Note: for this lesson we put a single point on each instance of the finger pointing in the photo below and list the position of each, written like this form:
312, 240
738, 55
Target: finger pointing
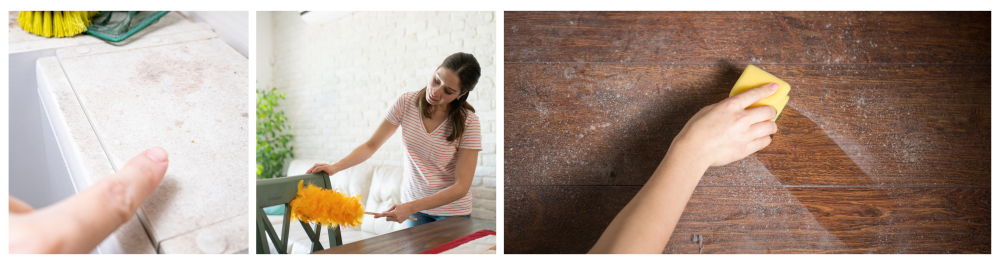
94, 213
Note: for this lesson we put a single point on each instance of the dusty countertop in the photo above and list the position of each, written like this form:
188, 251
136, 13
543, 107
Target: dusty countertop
175, 85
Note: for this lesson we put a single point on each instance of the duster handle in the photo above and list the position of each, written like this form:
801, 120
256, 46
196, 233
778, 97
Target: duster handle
371, 213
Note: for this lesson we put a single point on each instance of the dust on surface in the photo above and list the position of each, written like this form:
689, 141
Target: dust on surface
757, 216
12, 20
187, 75
887, 138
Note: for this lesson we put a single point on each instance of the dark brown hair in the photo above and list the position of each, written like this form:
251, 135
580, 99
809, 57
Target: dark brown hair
467, 68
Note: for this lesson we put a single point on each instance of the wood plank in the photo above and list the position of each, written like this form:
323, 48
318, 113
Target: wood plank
847, 125
559, 219
747, 37
570, 219
833, 220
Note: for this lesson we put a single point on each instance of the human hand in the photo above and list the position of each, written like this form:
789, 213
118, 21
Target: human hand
79, 223
726, 131
320, 167
398, 213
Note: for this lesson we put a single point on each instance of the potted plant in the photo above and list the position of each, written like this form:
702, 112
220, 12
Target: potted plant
273, 139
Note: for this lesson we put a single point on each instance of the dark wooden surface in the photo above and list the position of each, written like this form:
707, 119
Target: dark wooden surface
416, 239
883, 147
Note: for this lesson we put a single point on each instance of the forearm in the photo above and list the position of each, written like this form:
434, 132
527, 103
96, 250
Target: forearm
646, 222
366, 150
717, 135
445, 196
356, 157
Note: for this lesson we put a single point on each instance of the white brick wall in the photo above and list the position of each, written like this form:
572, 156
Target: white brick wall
340, 77
265, 50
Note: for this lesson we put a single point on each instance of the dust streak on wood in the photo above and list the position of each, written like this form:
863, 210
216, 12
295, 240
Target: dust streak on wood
610, 125
883, 148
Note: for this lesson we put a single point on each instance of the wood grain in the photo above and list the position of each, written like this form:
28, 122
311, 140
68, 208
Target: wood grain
570, 219
835, 220
884, 146
416, 239
747, 37
559, 219
595, 124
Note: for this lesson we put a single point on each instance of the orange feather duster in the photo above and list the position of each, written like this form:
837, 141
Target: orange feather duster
328, 207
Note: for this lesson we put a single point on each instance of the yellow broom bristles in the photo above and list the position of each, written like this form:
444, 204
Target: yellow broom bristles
328, 207
55, 23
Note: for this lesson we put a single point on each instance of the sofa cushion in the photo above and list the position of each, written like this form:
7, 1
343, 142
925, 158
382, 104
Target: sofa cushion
384, 193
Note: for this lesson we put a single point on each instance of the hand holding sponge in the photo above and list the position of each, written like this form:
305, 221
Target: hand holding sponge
754, 77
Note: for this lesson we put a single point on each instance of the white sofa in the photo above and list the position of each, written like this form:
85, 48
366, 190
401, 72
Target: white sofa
379, 187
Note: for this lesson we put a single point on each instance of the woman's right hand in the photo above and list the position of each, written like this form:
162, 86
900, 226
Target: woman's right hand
328, 168
726, 131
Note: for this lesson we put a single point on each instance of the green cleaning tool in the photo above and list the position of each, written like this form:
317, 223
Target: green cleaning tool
115, 26
112, 26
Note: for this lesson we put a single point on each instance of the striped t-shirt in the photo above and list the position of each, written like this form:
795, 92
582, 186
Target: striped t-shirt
428, 158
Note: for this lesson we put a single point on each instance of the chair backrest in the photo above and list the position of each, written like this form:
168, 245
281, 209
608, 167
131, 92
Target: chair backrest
281, 191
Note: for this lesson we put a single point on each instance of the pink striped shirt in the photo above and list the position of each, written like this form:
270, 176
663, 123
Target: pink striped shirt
428, 158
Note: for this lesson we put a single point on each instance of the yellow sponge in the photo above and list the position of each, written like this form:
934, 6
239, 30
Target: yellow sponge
780, 107
754, 77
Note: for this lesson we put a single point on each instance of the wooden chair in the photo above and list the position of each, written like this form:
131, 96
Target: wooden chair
278, 191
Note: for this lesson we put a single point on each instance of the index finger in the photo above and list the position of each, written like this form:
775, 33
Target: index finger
753, 95
94, 213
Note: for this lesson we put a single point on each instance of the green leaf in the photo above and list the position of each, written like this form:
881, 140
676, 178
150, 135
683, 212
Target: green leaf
273, 140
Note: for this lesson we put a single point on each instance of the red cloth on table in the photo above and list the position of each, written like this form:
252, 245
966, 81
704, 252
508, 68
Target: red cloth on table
458, 242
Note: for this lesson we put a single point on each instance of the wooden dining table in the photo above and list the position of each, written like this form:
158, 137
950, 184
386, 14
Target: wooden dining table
416, 239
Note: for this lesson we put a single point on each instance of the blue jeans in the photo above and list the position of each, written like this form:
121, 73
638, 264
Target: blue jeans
423, 218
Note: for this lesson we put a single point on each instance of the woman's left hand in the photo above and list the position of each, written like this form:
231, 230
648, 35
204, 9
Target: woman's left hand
398, 213
330, 169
